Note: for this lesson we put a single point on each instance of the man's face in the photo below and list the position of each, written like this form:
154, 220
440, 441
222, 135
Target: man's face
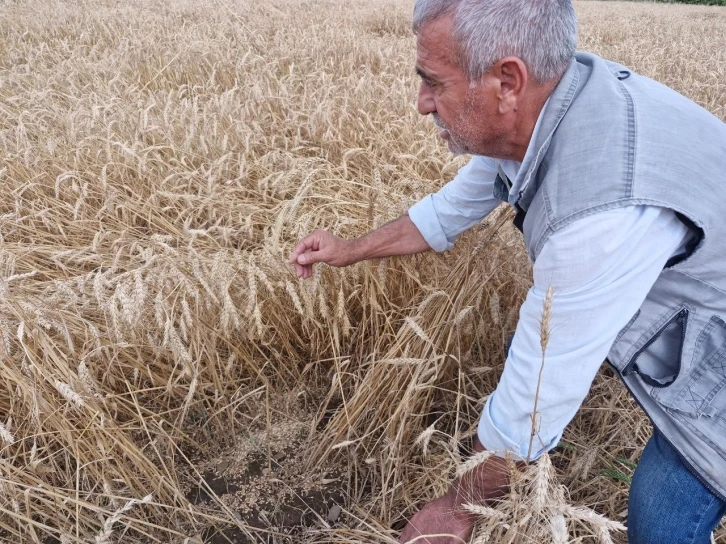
465, 112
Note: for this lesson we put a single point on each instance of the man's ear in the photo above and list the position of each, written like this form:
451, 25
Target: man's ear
513, 78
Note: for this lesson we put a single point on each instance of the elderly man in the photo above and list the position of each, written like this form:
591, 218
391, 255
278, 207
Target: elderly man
619, 185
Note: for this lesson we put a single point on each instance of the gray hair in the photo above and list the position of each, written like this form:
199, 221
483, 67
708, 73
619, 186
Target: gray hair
542, 33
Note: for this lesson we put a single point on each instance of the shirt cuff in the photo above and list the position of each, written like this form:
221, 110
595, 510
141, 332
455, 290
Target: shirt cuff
423, 215
494, 439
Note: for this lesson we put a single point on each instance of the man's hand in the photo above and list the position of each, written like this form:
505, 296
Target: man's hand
321, 247
443, 518
445, 521
399, 237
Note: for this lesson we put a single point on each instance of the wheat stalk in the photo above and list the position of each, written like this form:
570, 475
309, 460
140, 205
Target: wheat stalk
484, 512
473, 462
544, 340
104, 536
69, 394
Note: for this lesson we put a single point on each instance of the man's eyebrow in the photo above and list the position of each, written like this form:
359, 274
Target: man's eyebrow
423, 75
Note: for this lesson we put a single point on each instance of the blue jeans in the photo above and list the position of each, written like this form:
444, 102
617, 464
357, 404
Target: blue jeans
667, 503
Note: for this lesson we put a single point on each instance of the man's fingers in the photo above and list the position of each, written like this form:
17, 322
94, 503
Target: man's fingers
303, 272
312, 256
318, 247
310, 242
300, 248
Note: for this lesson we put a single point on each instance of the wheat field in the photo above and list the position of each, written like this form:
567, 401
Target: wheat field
164, 376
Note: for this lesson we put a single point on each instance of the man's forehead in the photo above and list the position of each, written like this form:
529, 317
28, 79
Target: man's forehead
434, 44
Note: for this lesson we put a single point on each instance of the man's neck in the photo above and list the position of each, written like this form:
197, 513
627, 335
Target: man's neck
528, 114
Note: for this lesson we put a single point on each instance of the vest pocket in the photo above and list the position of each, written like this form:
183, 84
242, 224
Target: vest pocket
658, 362
704, 393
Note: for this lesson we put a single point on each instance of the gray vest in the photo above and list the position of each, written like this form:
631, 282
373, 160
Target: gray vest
611, 138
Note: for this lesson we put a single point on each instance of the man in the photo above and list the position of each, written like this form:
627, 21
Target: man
619, 183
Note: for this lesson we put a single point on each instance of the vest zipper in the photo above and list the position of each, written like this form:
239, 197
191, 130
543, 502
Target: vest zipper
631, 366
683, 459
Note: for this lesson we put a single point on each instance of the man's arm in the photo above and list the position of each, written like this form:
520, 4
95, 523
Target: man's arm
399, 237
446, 520
433, 223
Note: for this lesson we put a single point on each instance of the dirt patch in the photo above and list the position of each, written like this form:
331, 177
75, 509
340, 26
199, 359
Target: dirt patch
264, 481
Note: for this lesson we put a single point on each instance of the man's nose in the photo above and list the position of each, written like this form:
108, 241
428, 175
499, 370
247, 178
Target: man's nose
426, 103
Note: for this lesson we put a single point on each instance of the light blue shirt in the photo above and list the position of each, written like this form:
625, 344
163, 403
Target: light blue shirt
600, 267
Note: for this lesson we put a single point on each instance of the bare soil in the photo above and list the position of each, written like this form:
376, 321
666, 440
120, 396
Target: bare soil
264, 480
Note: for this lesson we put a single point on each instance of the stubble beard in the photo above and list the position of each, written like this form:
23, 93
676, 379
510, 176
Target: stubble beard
457, 145
460, 141
469, 122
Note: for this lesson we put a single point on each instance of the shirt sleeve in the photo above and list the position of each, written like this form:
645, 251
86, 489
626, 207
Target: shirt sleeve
460, 204
600, 268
